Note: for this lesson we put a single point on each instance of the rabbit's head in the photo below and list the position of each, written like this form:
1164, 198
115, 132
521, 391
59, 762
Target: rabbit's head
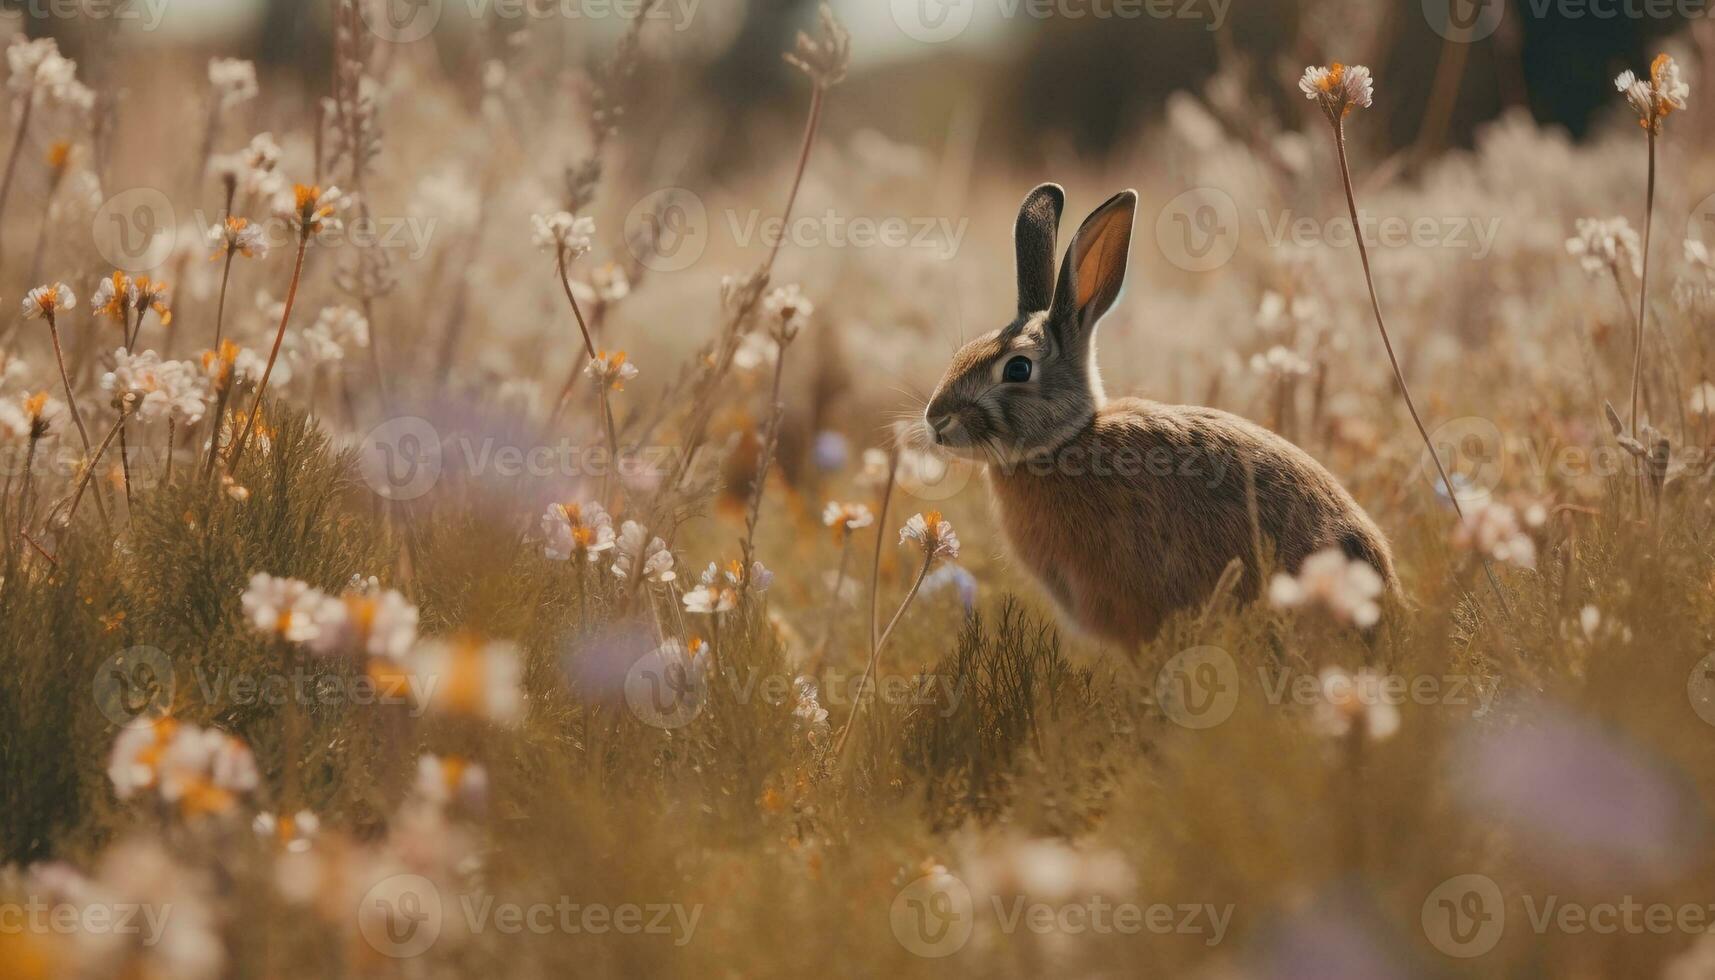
1032, 385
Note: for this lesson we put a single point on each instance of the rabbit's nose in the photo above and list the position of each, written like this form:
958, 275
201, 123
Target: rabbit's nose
939, 424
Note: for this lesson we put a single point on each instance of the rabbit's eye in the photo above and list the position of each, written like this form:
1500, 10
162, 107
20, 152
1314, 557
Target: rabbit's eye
1017, 370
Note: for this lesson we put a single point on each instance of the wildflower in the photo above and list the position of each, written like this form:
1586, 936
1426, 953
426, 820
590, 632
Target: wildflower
1589, 621
1346, 587
38, 67
450, 779
1654, 100
563, 233
826, 57
576, 529
808, 711
152, 295
1493, 530
234, 81
611, 370
237, 236
28, 416
1338, 89
379, 623
1349, 699
755, 350
956, 577
610, 282
133, 764
760, 577
789, 310
472, 679
934, 534
710, 597
1603, 247
1702, 399
177, 390
846, 518
291, 832
284, 607
1280, 362
830, 451
337, 329
46, 301
114, 297
310, 209
657, 560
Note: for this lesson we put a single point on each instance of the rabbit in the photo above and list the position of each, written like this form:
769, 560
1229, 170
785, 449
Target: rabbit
1124, 510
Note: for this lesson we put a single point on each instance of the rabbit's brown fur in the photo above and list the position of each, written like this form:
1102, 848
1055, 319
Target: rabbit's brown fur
1120, 551
1125, 510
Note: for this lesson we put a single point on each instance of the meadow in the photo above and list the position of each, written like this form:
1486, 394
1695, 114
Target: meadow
442, 539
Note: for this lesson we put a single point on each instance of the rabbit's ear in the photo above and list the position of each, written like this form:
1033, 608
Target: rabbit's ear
1034, 236
1094, 271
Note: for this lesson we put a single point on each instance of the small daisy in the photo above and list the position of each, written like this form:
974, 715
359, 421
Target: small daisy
1349, 699
789, 311
310, 209
1653, 101
1338, 89
378, 623
576, 529
845, 518
934, 534
234, 81
1493, 530
1279, 362
1347, 588
657, 560
152, 295
563, 233
46, 301
471, 679
291, 832
237, 236
1604, 246
451, 779
284, 607
710, 598
612, 370
115, 297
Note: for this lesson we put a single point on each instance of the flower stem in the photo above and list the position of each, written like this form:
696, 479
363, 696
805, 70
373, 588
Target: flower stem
1393, 359
17, 150
601, 383
875, 650
89, 471
279, 335
1643, 310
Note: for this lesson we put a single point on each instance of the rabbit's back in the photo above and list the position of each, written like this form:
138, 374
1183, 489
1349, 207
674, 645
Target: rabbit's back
1139, 515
